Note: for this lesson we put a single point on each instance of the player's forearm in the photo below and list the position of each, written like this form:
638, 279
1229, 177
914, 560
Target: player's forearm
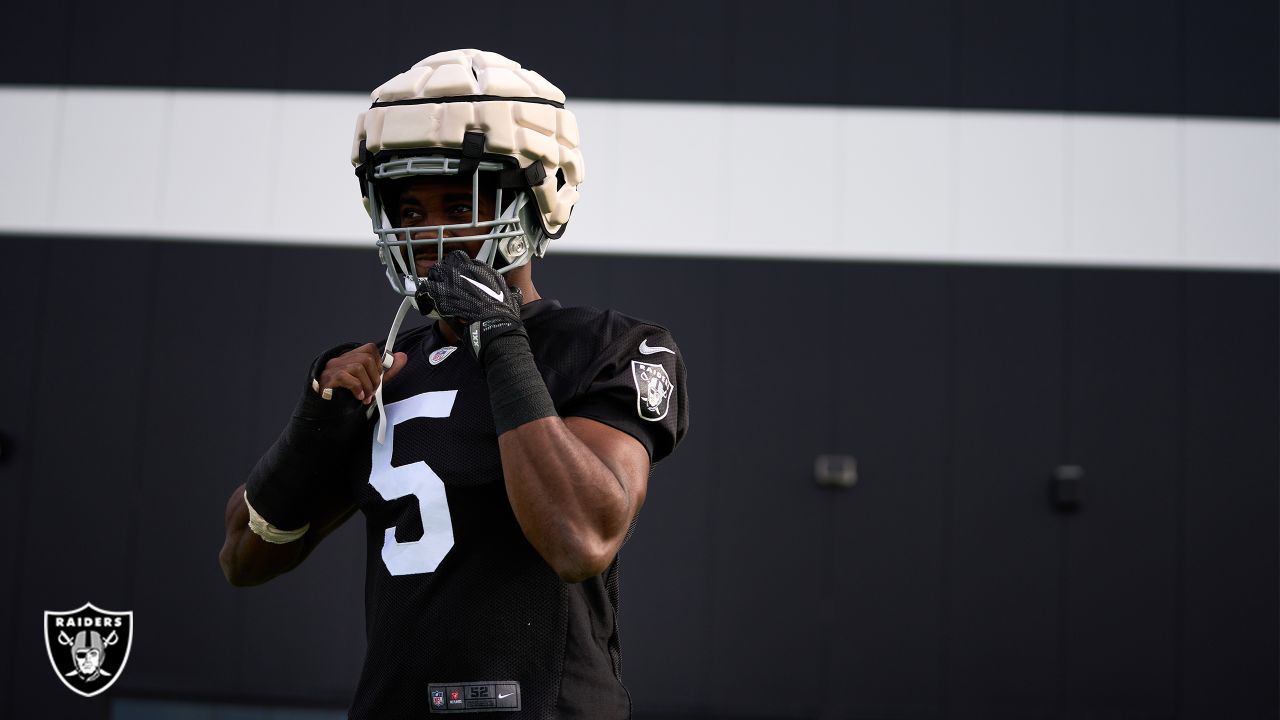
245, 558
572, 508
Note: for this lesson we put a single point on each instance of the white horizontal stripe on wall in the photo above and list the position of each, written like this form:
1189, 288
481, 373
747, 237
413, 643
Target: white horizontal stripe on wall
678, 178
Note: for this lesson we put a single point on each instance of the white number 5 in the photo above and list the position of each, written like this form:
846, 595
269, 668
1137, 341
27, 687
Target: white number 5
419, 480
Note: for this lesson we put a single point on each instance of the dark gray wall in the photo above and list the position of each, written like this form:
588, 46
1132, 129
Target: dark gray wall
943, 585
1198, 57
143, 379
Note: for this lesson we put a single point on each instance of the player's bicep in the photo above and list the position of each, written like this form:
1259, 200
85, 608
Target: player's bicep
624, 455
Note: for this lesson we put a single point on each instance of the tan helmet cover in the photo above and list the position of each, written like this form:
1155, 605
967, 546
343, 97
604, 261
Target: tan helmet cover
519, 112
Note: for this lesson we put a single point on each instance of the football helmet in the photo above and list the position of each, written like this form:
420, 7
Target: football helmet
467, 113
89, 651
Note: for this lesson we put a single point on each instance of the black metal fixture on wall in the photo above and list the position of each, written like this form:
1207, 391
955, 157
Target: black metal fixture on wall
835, 471
1066, 488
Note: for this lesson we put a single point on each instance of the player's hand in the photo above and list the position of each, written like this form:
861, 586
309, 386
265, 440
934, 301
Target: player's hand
469, 293
358, 371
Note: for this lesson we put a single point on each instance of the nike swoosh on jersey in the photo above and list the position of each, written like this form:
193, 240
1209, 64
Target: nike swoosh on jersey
647, 349
496, 295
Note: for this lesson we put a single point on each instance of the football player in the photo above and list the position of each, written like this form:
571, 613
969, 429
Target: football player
500, 455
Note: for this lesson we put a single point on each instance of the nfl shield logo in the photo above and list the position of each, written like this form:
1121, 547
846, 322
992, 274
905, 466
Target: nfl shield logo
653, 389
438, 356
437, 698
88, 647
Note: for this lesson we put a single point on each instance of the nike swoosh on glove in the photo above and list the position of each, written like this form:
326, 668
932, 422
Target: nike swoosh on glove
475, 300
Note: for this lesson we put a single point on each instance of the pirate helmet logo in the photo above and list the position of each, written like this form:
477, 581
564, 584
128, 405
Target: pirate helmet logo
88, 647
653, 389
87, 651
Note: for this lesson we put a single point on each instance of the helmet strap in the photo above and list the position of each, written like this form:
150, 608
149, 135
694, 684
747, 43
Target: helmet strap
472, 152
388, 359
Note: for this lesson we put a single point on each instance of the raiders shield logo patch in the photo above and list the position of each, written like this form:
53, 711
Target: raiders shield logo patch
653, 389
88, 647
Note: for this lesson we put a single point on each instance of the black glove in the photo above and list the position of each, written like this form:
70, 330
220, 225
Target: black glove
467, 292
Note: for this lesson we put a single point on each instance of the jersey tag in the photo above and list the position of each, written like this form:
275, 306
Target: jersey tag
479, 696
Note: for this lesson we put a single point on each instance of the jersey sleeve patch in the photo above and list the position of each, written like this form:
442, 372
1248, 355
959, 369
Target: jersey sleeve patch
636, 384
653, 390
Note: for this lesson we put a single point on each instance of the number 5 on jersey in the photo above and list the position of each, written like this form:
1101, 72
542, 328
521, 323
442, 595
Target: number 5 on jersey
417, 479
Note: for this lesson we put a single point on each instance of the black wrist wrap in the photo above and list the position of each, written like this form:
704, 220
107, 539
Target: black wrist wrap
291, 476
517, 392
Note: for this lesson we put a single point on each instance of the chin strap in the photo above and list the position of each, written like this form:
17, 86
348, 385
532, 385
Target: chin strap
388, 359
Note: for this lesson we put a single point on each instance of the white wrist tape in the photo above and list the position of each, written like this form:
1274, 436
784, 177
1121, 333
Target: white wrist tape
269, 532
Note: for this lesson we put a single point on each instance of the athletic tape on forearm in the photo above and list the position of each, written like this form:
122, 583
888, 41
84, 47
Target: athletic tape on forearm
517, 392
290, 478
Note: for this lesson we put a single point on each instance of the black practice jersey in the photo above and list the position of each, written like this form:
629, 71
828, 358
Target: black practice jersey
461, 611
